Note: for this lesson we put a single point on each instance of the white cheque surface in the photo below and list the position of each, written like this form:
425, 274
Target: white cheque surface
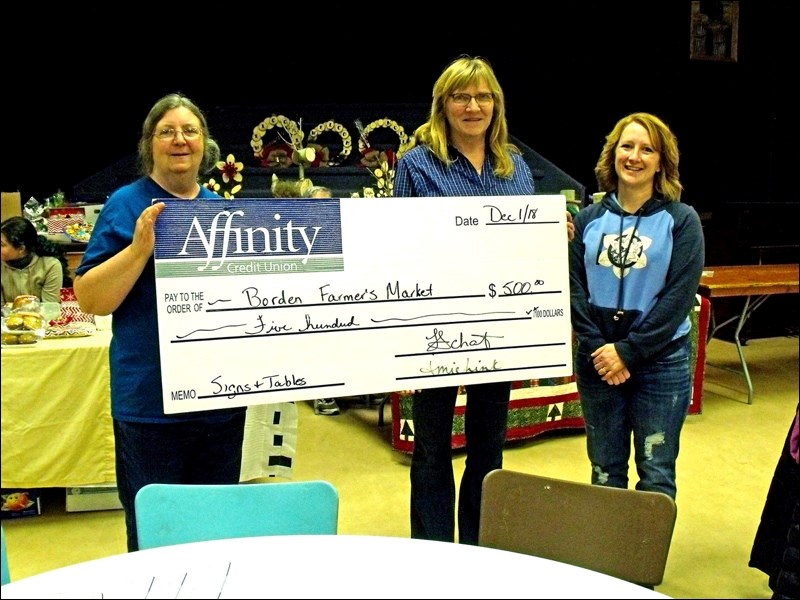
263, 301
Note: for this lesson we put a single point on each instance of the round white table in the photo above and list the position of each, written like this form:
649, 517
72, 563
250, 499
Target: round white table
334, 566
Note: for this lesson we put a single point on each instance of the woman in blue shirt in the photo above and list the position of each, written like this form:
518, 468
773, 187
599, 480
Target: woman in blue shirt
462, 150
117, 275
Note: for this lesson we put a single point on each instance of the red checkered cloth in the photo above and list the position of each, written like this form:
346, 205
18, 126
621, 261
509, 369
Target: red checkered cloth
59, 218
70, 309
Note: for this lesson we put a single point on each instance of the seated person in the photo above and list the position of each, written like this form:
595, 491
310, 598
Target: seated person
31, 264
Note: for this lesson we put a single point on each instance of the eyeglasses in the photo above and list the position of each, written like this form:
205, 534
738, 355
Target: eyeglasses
483, 99
169, 133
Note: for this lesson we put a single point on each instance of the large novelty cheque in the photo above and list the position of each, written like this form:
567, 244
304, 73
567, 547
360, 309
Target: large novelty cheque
263, 300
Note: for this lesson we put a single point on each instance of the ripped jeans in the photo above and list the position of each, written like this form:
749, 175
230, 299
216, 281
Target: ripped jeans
652, 405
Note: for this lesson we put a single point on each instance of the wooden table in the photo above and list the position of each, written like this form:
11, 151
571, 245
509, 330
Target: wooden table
755, 283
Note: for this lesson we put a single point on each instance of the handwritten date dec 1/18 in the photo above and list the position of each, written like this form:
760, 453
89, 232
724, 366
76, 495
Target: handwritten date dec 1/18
497, 214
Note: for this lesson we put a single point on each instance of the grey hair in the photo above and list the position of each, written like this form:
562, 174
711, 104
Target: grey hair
211, 151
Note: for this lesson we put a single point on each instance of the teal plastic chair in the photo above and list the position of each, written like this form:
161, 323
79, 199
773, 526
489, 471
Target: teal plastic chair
168, 514
6, 575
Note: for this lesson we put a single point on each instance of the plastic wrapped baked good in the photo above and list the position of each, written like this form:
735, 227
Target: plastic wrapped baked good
25, 324
30, 303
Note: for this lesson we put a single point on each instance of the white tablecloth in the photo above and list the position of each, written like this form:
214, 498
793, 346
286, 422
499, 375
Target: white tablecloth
334, 566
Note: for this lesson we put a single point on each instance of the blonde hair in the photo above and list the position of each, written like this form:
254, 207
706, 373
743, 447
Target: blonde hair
462, 72
667, 181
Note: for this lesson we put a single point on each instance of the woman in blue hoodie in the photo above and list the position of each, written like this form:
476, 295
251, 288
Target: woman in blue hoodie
635, 265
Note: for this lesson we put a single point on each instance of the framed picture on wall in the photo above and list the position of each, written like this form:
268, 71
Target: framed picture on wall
714, 30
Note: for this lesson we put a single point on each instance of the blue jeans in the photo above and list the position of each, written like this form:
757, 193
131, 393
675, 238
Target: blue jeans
652, 405
198, 451
433, 492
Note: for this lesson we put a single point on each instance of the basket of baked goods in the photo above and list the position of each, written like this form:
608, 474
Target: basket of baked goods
23, 323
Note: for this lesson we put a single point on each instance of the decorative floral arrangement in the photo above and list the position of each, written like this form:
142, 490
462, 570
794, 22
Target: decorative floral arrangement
276, 156
384, 178
287, 152
373, 158
323, 153
303, 157
280, 153
231, 176
289, 126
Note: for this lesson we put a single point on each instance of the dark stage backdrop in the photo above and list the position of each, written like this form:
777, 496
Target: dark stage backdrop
75, 97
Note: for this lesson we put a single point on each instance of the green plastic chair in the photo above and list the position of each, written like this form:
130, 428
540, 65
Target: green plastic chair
6, 575
168, 514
